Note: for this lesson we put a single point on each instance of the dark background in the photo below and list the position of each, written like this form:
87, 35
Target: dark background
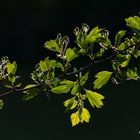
24, 27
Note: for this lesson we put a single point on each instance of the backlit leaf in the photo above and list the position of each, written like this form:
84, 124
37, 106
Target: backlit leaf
70, 54
52, 45
75, 119
102, 79
94, 98
61, 89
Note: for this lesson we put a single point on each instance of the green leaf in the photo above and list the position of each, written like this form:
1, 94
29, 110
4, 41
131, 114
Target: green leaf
123, 60
43, 66
119, 36
102, 79
70, 104
31, 92
123, 46
1, 104
133, 22
85, 115
52, 45
75, 89
29, 86
75, 119
132, 74
136, 53
61, 89
94, 98
11, 68
94, 35
67, 82
70, 54
83, 79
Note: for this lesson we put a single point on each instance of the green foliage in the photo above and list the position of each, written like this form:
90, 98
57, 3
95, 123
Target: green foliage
80, 116
95, 98
70, 54
102, 79
133, 22
60, 76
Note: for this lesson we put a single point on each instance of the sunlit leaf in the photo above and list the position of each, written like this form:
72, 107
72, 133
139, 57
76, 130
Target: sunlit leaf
123, 60
75, 88
133, 22
75, 119
94, 98
52, 45
119, 36
132, 74
94, 35
61, 89
11, 68
102, 79
70, 54
84, 115
70, 103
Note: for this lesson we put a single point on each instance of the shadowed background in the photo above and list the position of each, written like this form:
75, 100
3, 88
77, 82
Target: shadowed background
24, 27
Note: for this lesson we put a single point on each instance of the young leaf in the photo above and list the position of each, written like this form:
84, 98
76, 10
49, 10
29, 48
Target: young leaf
94, 35
123, 60
70, 54
132, 74
75, 119
119, 36
43, 66
52, 45
1, 104
85, 115
136, 53
75, 88
102, 79
133, 22
11, 68
70, 104
67, 82
94, 98
61, 89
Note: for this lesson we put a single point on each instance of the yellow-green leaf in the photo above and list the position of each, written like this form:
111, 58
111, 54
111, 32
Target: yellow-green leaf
70, 104
11, 68
85, 115
75, 119
94, 98
52, 45
102, 79
70, 54
61, 89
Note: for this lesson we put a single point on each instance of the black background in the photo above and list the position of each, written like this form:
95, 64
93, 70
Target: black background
24, 27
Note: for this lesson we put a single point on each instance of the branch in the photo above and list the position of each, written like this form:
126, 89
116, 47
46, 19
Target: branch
18, 90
